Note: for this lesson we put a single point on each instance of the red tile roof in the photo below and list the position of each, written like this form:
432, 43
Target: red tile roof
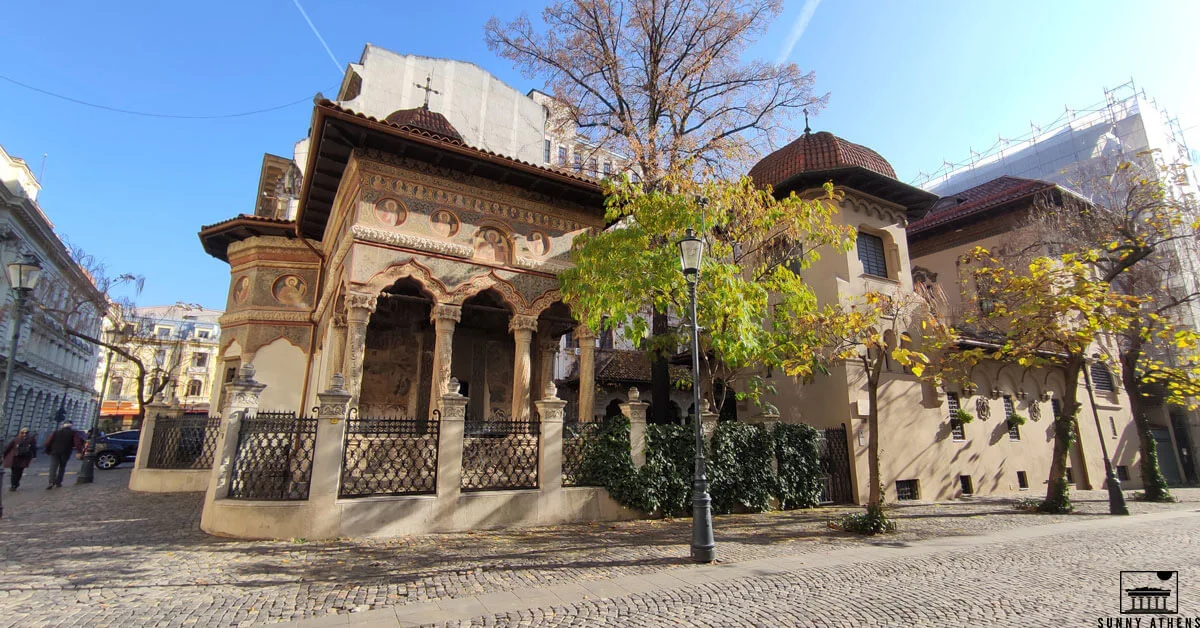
411, 127
422, 119
977, 200
814, 152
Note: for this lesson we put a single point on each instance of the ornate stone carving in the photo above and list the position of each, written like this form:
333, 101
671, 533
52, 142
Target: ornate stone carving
267, 316
409, 268
357, 301
379, 236
542, 265
521, 322
443, 311
875, 207
983, 409
1035, 411
551, 391
339, 320
584, 334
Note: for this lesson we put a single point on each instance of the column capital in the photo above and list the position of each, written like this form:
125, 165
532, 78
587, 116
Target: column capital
523, 322
446, 312
583, 332
359, 301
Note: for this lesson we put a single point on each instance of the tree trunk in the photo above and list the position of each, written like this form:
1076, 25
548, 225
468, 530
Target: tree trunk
874, 473
1153, 482
660, 376
1058, 494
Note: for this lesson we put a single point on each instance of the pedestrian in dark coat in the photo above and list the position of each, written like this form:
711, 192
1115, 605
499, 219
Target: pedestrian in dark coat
18, 453
59, 445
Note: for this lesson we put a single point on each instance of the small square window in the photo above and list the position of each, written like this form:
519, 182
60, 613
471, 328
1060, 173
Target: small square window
562, 155
200, 360
968, 488
546, 151
202, 333
1022, 481
1123, 473
907, 490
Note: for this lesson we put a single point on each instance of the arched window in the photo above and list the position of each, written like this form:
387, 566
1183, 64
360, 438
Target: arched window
1102, 378
194, 387
114, 386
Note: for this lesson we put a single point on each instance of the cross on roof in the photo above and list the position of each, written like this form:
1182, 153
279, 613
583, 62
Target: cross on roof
427, 89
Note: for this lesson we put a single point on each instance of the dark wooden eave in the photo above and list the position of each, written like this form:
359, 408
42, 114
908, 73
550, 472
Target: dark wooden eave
217, 238
337, 132
914, 200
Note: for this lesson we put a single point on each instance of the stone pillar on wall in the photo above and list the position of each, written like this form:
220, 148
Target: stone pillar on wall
450, 445
444, 317
241, 400
337, 342
333, 405
635, 411
587, 372
522, 328
548, 348
359, 308
551, 410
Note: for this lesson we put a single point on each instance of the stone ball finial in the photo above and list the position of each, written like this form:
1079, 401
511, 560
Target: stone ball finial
453, 386
551, 391
707, 407
634, 394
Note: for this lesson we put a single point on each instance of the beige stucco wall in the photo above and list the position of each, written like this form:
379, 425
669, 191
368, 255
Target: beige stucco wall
280, 365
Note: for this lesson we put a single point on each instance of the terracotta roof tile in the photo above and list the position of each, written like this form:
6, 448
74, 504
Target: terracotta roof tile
423, 119
813, 152
978, 200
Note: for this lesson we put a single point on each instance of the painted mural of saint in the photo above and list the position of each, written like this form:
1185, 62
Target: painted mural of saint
390, 212
444, 223
539, 243
290, 290
491, 245
241, 291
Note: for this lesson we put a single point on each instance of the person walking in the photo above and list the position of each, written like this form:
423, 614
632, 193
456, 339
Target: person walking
18, 453
59, 445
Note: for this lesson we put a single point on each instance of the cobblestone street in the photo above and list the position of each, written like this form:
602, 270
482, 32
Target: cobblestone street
102, 555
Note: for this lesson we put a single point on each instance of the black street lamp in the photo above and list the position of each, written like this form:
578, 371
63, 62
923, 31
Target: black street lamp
1116, 499
691, 251
23, 276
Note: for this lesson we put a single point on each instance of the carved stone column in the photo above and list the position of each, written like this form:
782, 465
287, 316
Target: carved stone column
635, 411
359, 308
337, 342
450, 447
548, 349
444, 317
551, 410
522, 328
587, 371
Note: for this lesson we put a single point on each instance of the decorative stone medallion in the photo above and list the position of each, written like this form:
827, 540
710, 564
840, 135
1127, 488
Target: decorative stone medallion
390, 212
289, 290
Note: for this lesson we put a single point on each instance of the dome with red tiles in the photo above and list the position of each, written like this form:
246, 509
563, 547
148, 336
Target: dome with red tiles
815, 152
423, 119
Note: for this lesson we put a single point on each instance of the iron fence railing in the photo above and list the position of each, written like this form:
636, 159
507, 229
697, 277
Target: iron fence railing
183, 442
835, 466
390, 456
274, 457
499, 453
577, 441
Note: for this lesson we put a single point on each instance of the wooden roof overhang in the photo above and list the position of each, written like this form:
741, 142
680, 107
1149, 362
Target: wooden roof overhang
216, 238
913, 199
337, 132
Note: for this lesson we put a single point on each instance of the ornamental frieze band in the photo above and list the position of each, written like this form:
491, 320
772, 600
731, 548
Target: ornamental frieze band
380, 236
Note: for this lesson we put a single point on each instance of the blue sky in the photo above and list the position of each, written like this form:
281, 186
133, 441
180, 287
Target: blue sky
916, 81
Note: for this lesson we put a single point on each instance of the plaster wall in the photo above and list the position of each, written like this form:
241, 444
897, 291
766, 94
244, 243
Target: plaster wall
280, 365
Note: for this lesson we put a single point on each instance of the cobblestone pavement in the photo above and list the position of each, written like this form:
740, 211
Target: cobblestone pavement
102, 555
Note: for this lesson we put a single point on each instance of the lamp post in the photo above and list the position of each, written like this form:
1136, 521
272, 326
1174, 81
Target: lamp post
23, 277
1116, 499
691, 251
87, 470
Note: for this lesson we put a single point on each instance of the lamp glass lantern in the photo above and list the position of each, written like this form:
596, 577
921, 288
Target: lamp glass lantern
691, 251
23, 274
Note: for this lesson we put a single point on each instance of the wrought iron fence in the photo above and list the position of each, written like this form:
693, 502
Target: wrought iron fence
390, 456
835, 466
499, 453
577, 440
274, 457
183, 442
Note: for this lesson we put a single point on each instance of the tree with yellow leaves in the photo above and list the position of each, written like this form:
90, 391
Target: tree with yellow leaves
866, 333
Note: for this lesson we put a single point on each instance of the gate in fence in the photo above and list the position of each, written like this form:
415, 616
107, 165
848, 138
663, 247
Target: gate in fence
835, 466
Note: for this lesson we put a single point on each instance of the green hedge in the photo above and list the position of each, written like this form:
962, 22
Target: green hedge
748, 468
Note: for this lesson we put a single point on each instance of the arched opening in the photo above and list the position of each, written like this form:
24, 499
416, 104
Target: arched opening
553, 323
398, 358
482, 357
